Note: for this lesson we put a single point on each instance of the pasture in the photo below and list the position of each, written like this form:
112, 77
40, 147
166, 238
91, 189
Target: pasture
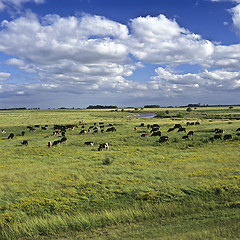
179, 189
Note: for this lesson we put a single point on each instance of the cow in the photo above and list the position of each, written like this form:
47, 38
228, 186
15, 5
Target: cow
49, 144
144, 135
238, 129
55, 143
11, 135
25, 142
63, 140
218, 131
44, 128
154, 129
4, 131
163, 139
142, 125
190, 133
171, 129
197, 123
102, 146
135, 128
185, 137
216, 137
157, 133
111, 129
177, 126
89, 143
23, 133
83, 131
227, 137
101, 123
182, 130
102, 130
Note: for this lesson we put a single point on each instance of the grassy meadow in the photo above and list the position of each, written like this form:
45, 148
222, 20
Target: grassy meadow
138, 189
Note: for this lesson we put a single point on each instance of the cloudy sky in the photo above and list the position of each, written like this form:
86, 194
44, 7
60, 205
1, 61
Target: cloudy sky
76, 53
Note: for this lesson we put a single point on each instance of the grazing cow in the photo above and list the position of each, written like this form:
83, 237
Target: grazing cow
11, 135
37, 126
154, 129
182, 130
144, 135
101, 123
238, 129
112, 129
178, 126
4, 131
63, 140
83, 131
102, 146
185, 137
218, 131
157, 133
89, 143
190, 133
171, 129
23, 133
142, 125
197, 123
227, 137
163, 139
55, 143
25, 142
216, 137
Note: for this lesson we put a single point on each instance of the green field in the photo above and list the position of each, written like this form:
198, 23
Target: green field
138, 189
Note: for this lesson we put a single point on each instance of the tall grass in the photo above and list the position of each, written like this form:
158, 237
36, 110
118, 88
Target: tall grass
74, 187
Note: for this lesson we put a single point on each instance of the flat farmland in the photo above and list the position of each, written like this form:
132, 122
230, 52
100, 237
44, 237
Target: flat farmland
185, 188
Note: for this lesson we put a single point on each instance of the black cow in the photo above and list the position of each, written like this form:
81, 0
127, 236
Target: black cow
63, 140
112, 129
238, 129
55, 143
89, 143
216, 137
142, 125
83, 132
155, 129
185, 137
182, 130
163, 139
177, 126
23, 133
11, 135
25, 142
218, 131
102, 146
171, 129
157, 133
227, 137
190, 133
197, 123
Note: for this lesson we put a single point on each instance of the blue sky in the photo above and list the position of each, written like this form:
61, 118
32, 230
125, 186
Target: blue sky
77, 53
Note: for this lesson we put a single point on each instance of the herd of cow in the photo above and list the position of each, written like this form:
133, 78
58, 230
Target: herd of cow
60, 130
153, 130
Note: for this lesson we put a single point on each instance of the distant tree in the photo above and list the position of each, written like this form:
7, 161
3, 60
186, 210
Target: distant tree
167, 111
189, 109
